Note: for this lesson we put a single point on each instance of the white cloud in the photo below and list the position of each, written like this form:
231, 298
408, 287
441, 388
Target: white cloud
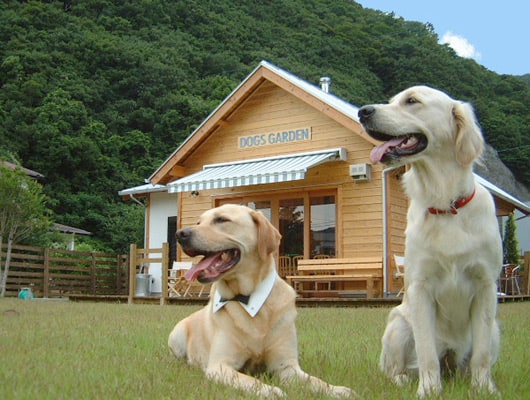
461, 46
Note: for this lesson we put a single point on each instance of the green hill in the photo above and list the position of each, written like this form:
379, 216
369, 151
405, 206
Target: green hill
95, 94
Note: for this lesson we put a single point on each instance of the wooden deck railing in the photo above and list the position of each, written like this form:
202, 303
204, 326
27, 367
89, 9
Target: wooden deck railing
140, 261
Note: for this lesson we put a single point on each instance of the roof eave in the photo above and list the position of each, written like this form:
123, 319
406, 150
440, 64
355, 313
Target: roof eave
142, 190
495, 190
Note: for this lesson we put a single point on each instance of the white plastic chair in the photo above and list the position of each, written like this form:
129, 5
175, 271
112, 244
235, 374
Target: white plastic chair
512, 281
399, 272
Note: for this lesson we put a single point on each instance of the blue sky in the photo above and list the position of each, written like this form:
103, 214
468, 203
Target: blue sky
496, 34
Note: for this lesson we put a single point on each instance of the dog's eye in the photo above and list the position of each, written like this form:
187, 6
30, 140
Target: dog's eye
220, 220
411, 100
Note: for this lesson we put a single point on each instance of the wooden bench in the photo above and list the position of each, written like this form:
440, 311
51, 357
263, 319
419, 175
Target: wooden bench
335, 270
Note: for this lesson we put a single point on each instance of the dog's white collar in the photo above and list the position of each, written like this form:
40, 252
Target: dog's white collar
257, 298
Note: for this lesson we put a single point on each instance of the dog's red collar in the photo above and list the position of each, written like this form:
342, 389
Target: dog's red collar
455, 205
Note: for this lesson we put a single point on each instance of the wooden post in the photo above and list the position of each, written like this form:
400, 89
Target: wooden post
124, 268
526, 266
93, 272
118, 274
46, 273
165, 272
132, 273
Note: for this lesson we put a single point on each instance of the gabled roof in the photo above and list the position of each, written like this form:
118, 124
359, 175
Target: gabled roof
27, 171
70, 229
334, 107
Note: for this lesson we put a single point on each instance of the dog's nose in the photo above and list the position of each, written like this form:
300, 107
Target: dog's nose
366, 112
183, 235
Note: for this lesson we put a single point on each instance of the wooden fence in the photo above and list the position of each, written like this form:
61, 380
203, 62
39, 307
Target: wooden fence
526, 273
59, 273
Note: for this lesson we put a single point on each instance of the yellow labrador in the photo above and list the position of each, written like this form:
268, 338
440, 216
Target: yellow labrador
249, 322
453, 250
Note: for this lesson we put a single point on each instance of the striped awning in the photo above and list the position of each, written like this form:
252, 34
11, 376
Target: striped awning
260, 171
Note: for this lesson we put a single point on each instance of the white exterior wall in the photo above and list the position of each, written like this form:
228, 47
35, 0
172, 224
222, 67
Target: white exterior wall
162, 205
523, 232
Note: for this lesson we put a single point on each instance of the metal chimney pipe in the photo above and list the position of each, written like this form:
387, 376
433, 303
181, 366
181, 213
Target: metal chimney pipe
325, 84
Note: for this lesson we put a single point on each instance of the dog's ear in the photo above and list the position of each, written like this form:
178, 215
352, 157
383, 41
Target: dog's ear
268, 235
469, 142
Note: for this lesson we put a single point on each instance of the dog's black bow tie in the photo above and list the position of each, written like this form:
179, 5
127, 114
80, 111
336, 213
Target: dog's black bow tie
240, 297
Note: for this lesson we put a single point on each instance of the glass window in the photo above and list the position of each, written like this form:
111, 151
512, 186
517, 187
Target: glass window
291, 216
263, 206
323, 226
291, 226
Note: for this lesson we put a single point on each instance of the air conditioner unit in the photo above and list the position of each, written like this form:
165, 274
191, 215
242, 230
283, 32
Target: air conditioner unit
361, 172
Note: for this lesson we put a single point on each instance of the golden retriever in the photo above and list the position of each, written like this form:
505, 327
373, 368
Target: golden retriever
453, 252
229, 336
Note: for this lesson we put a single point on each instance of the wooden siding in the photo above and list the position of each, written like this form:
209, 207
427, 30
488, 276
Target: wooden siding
272, 109
397, 221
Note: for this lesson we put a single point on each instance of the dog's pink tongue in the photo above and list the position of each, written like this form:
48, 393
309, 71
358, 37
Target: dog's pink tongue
205, 263
378, 152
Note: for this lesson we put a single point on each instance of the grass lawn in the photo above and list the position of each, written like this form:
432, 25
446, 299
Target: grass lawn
66, 350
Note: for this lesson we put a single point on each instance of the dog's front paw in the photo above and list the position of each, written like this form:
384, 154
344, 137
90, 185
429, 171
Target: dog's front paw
270, 392
401, 379
429, 384
428, 391
484, 383
341, 392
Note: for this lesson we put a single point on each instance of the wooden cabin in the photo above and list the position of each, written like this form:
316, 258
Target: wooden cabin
297, 153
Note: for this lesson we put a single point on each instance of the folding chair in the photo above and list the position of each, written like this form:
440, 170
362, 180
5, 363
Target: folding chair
177, 285
196, 286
